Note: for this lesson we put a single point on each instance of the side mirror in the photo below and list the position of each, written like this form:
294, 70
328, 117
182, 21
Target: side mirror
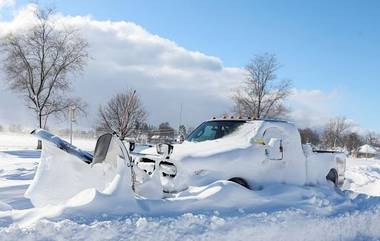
275, 150
132, 146
164, 149
180, 138
101, 149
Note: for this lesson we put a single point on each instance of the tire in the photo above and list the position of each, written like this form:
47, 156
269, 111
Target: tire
332, 176
239, 181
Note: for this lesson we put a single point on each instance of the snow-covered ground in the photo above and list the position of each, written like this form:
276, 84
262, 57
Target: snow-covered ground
25, 141
363, 176
278, 212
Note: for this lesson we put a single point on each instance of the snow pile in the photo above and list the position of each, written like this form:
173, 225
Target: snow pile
224, 197
287, 225
363, 176
61, 176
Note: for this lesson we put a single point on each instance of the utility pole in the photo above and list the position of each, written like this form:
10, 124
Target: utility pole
180, 116
72, 109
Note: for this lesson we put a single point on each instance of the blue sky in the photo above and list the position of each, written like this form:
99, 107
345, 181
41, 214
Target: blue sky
333, 46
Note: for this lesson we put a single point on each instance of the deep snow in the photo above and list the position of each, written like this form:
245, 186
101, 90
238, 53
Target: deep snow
278, 212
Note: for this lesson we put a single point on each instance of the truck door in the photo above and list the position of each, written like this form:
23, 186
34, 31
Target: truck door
273, 138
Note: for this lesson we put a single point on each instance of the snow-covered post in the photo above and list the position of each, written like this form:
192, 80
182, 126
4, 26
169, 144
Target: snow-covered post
71, 119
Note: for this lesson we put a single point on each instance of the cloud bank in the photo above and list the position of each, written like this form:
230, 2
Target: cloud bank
124, 55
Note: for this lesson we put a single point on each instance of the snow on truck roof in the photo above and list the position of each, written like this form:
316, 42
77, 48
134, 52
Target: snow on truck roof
246, 119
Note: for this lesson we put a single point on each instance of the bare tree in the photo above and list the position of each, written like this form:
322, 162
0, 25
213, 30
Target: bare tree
261, 95
335, 131
123, 114
372, 139
309, 136
182, 130
39, 64
353, 141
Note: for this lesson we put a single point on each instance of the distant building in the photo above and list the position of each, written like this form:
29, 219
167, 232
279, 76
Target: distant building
159, 136
367, 151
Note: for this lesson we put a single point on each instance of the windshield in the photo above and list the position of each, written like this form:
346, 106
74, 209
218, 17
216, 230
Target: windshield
212, 130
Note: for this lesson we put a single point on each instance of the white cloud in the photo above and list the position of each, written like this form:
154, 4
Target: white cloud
312, 108
7, 3
125, 55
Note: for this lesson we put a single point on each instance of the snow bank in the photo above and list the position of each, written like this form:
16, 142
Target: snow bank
225, 197
105, 208
61, 176
363, 176
219, 211
287, 225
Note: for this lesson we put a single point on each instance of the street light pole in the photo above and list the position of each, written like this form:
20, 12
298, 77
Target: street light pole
180, 116
71, 119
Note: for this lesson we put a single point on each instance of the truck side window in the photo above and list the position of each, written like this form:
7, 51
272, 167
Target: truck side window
275, 149
273, 140
212, 130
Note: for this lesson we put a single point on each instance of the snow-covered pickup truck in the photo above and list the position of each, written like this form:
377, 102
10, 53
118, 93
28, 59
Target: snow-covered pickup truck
249, 152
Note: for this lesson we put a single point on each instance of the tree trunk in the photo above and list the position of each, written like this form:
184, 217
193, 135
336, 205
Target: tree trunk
258, 115
39, 143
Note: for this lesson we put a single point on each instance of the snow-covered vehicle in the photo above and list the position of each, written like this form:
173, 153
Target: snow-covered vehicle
249, 152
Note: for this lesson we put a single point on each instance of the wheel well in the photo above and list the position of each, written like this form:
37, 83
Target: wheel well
239, 181
332, 176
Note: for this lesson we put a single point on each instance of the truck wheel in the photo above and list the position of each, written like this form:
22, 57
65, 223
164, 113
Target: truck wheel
333, 176
239, 181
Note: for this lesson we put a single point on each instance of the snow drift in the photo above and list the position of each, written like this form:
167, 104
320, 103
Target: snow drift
219, 211
73, 187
